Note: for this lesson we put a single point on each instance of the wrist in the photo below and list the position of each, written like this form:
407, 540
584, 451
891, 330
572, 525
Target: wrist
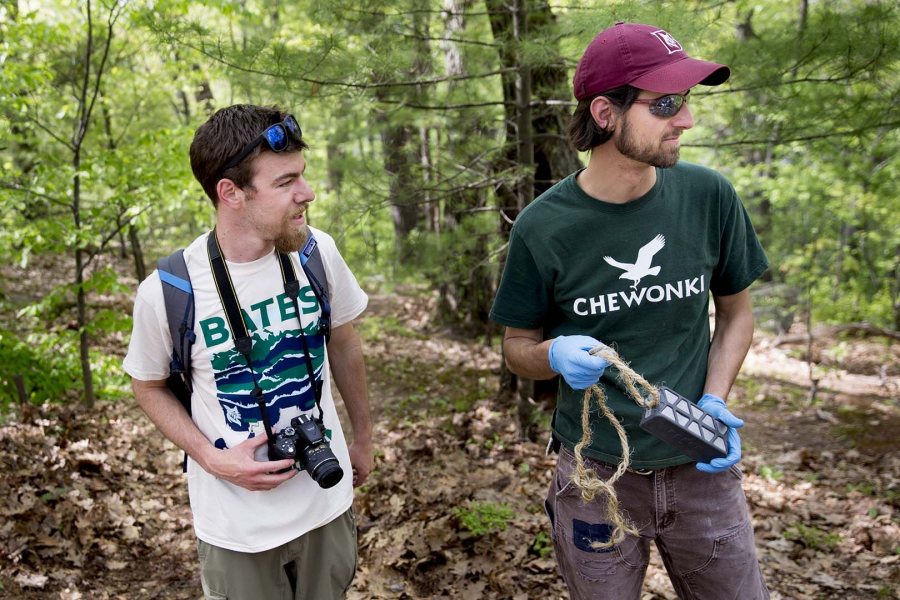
707, 397
551, 357
206, 456
362, 439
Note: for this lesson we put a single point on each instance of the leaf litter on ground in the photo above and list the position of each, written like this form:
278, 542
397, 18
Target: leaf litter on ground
95, 506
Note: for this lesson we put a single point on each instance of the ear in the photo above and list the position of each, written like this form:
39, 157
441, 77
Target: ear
603, 112
229, 194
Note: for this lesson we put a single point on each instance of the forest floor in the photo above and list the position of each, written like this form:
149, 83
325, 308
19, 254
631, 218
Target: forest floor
93, 504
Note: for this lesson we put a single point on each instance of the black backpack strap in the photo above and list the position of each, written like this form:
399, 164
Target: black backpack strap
314, 268
179, 299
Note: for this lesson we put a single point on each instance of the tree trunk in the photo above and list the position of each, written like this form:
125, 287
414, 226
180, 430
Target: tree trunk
401, 153
536, 144
81, 301
399, 157
140, 268
432, 207
89, 92
896, 293
203, 93
466, 284
333, 156
21, 391
554, 157
524, 131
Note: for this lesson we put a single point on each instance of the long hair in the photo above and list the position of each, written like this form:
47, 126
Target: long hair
583, 132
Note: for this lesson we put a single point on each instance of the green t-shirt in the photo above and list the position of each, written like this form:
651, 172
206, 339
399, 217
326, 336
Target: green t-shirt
637, 277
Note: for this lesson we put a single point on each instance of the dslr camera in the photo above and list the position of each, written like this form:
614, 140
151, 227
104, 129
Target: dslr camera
304, 441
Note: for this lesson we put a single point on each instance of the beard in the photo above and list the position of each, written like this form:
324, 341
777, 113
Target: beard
291, 239
657, 156
287, 237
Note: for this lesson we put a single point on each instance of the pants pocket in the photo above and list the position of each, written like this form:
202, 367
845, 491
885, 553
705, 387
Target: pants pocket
732, 565
211, 577
354, 532
576, 526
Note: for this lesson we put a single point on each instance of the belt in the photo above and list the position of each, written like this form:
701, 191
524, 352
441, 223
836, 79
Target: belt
554, 445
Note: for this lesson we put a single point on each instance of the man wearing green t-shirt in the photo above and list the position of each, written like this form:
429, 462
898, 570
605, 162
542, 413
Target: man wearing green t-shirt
626, 252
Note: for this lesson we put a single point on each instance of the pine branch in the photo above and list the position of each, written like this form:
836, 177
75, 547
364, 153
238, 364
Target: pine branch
346, 84
802, 138
440, 106
423, 38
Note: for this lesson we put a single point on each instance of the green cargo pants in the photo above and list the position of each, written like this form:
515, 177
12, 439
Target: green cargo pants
319, 565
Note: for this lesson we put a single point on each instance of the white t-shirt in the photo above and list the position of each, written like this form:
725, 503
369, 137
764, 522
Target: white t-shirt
227, 515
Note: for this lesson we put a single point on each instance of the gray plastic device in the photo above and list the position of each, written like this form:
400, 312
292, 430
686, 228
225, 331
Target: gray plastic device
685, 426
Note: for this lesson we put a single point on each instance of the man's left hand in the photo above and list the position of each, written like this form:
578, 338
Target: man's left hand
362, 459
716, 407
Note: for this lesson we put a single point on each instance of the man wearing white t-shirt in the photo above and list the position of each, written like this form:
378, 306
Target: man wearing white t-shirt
264, 529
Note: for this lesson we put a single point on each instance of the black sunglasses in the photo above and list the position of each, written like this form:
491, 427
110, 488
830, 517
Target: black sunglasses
665, 106
276, 136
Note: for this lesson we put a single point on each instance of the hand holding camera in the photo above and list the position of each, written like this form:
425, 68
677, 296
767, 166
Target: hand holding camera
238, 465
304, 441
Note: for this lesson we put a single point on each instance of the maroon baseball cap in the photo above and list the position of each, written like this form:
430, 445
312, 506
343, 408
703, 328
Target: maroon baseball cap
645, 57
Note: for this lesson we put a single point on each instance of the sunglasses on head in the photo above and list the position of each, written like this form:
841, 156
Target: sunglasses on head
276, 136
665, 106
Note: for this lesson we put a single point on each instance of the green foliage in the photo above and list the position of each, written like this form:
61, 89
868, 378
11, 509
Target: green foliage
89, 147
375, 327
542, 546
771, 473
889, 495
406, 107
46, 362
39, 344
807, 131
812, 537
483, 518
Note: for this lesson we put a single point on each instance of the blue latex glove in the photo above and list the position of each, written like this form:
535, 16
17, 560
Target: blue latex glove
716, 407
570, 357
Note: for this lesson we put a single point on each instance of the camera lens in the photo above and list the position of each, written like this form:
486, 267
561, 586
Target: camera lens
322, 465
328, 473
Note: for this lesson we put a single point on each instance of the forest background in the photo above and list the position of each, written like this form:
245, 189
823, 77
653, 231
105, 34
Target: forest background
432, 123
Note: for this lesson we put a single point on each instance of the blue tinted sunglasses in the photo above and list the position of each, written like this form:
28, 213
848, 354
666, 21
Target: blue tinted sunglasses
665, 106
276, 136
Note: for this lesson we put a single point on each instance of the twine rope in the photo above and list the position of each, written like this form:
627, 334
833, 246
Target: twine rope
585, 478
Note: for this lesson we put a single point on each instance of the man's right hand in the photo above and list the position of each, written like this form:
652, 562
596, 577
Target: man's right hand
570, 357
238, 466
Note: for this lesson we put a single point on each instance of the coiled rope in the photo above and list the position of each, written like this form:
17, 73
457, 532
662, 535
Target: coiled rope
586, 479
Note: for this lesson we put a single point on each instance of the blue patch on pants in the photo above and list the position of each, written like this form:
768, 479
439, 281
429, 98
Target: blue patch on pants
584, 534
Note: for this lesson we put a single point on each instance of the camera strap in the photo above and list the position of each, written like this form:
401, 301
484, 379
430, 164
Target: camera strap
243, 343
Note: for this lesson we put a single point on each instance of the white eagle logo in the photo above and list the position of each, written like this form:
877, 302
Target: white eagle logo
641, 267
